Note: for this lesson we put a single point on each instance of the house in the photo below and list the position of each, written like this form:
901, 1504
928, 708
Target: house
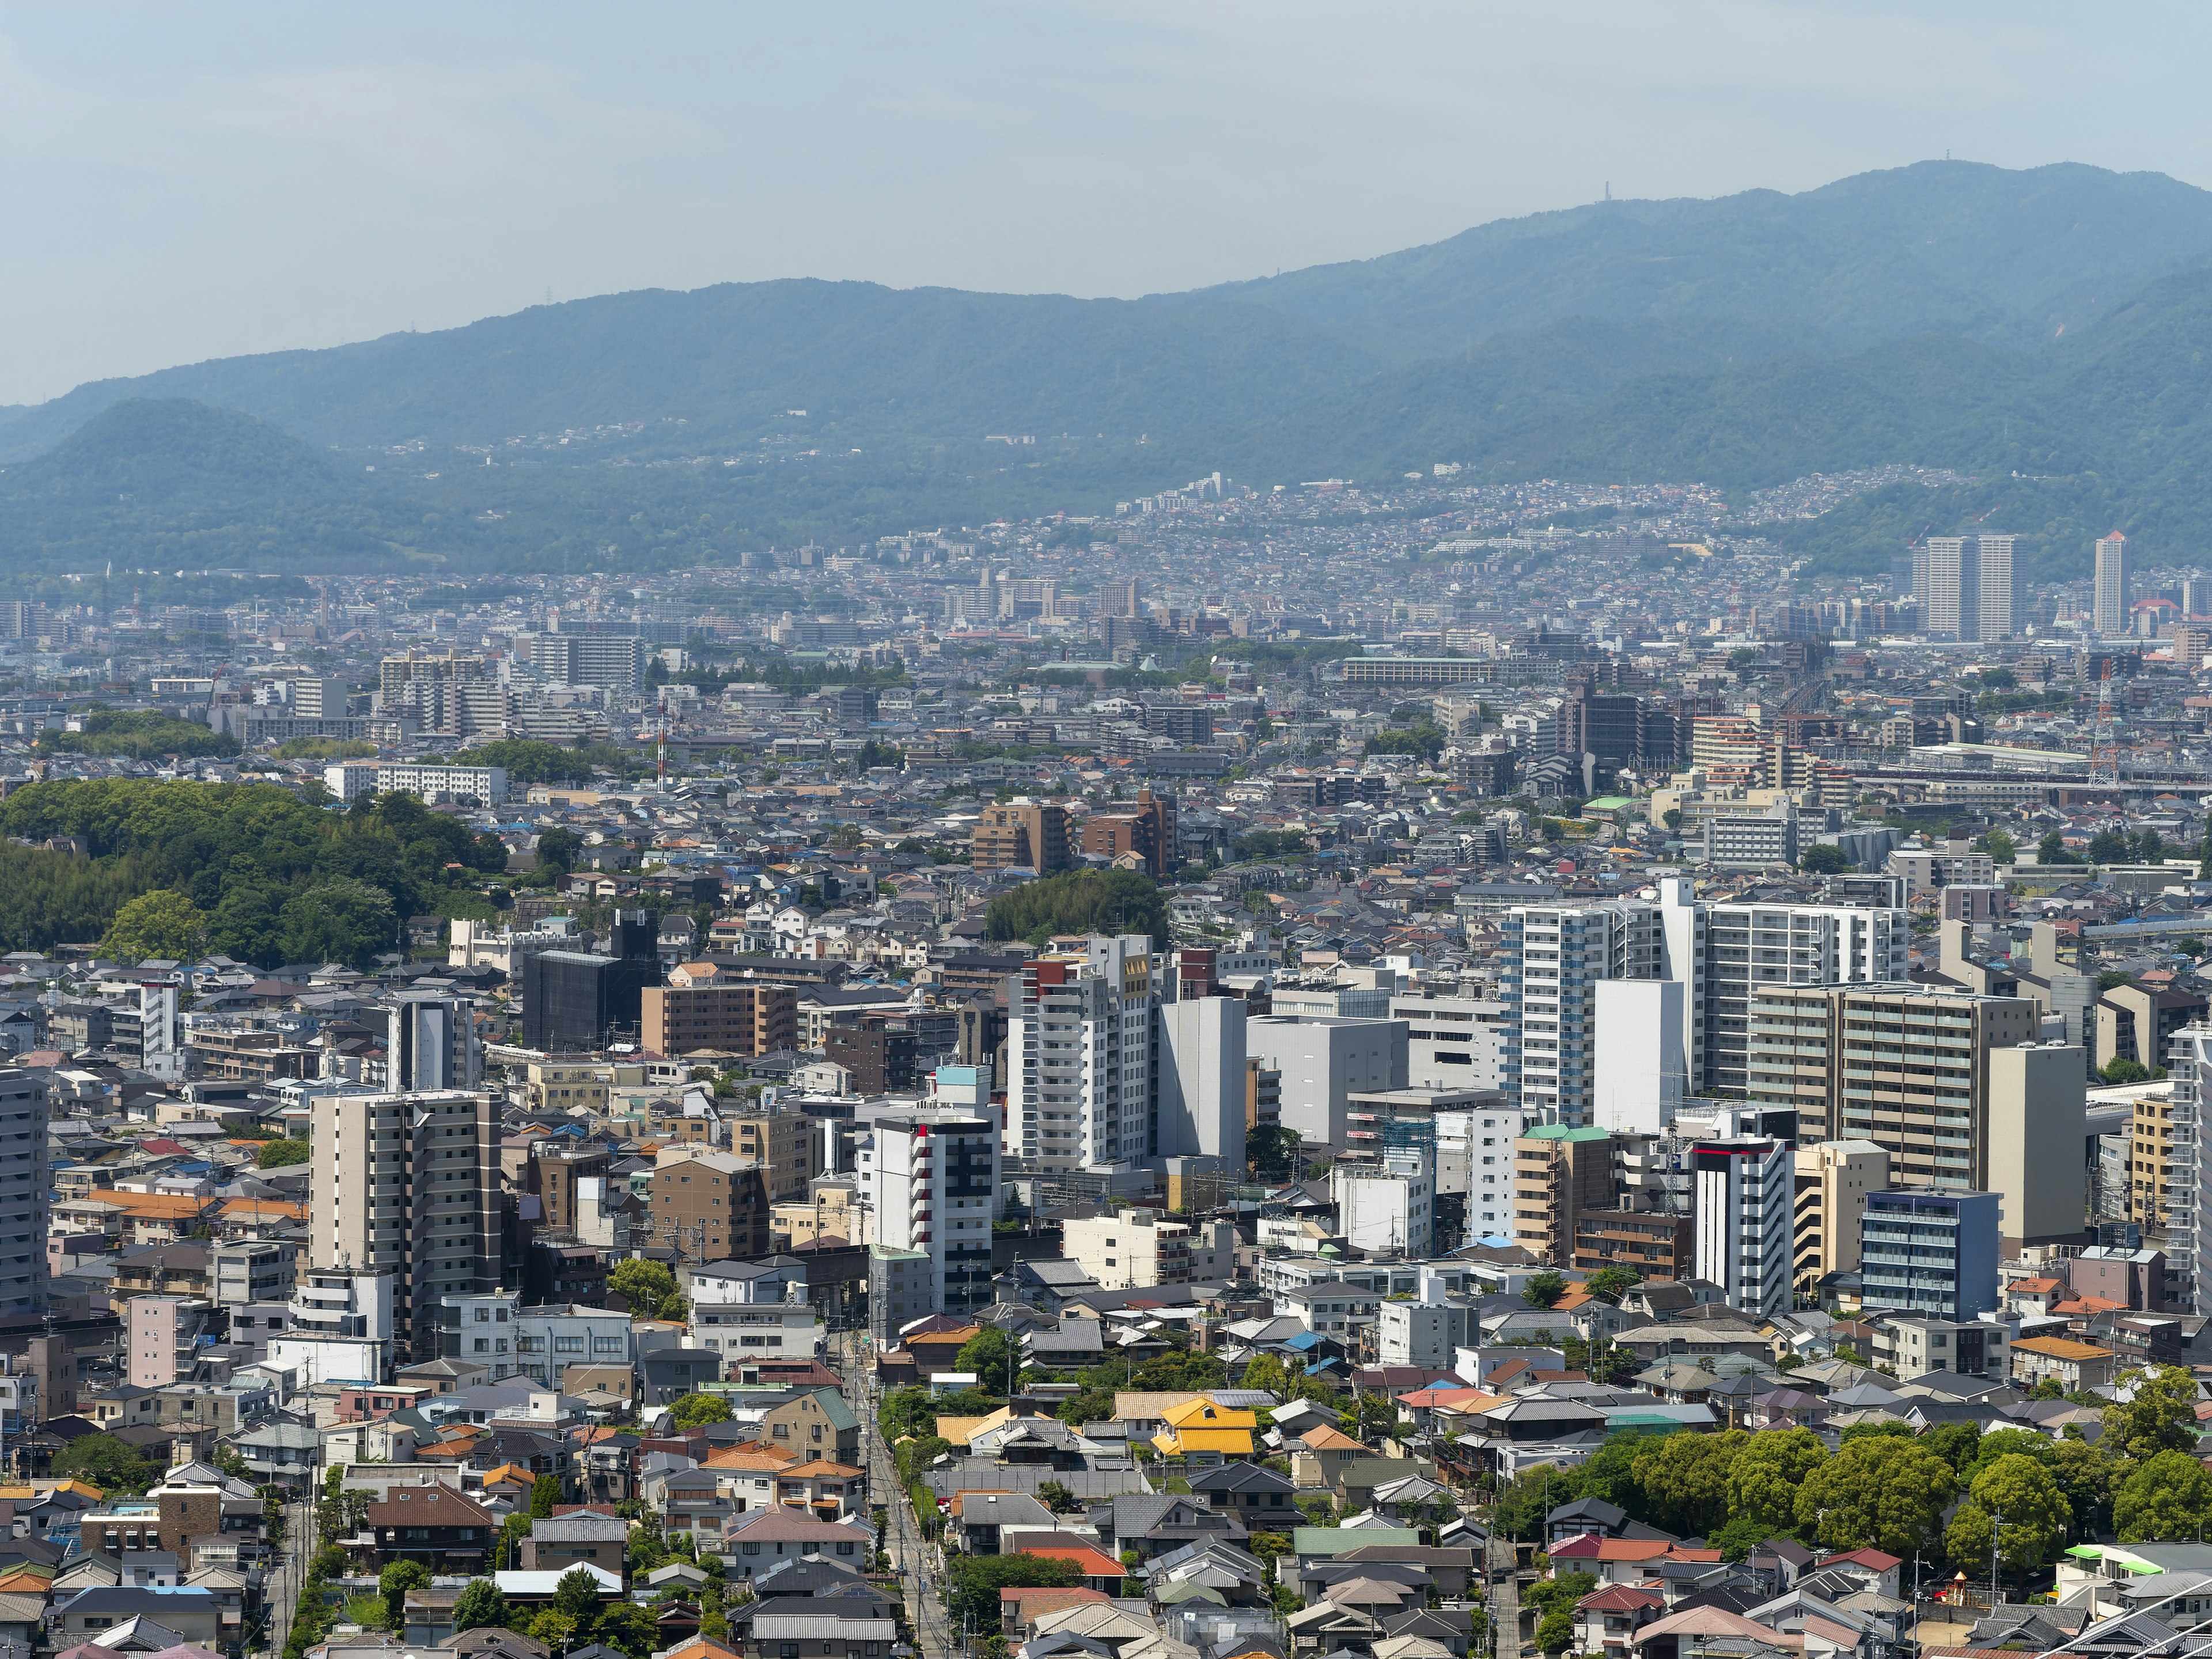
1253, 1490
562, 1541
1200, 1431
817, 1423
2073, 1365
1871, 1568
977, 1517
763, 1537
1622, 1560
437, 1526
1607, 1619
828, 1489
1327, 1450
1155, 1524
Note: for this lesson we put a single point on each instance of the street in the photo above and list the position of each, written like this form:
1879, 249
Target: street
918, 1564
289, 1572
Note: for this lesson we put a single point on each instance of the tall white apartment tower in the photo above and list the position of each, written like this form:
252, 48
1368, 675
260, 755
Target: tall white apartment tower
1951, 605
2003, 611
1552, 955
935, 1176
408, 1183
2114, 577
1722, 951
2189, 1199
1080, 1057
432, 1044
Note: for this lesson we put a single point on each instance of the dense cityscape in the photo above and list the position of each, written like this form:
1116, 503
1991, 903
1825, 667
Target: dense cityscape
1209, 1078
1061, 832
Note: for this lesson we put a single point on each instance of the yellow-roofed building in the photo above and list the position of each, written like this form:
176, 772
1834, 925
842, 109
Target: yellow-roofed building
1198, 1426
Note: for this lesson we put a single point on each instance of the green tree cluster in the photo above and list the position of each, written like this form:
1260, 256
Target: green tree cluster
1079, 902
972, 1584
136, 734
273, 877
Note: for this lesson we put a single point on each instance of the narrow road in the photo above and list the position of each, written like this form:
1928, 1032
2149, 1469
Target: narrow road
1505, 1584
912, 1558
281, 1594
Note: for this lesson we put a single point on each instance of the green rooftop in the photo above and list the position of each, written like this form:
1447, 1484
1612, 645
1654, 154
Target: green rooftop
1560, 1132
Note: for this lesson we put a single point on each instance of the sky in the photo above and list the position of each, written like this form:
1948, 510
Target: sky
181, 183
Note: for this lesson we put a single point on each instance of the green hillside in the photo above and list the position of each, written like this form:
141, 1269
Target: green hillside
1950, 247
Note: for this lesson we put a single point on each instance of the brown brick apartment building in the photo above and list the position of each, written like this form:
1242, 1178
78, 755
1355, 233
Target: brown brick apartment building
737, 1017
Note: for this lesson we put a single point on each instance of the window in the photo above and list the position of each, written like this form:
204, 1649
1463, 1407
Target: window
845, 1549
748, 1549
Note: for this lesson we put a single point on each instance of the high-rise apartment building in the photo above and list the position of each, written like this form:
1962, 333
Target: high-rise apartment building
1551, 957
408, 1184
1475, 1156
613, 662
2003, 609
1724, 952
1953, 1085
707, 1206
431, 1044
788, 1145
936, 1179
1930, 1253
2188, 1226
2114, 581
1451, 1042
1951, 599
1834, 1180
1742, 1193
1080, 1057
1021, 835
1145, 830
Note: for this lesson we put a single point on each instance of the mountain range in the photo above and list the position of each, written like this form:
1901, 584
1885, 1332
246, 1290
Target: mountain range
2044, 331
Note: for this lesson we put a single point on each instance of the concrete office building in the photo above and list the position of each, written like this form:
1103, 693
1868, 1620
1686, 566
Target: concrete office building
1832, 1180
1128, 1249
2037, 1119
430, 1044
1551, 956
934, 1183
1474, 1156
1080, 1083
1452, 1042
1722, 951
408, 1184
1930, 1253
1389, 1211
1202, 1096
1741, 1196
2112, 611
902, 1288
1322, 1062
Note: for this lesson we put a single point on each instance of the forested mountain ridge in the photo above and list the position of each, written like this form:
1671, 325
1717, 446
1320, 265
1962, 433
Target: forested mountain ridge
2050, 323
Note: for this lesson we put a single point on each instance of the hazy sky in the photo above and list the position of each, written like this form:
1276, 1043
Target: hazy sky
184, 182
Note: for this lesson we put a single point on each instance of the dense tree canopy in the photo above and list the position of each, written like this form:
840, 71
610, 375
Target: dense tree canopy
1079, 902
276, 877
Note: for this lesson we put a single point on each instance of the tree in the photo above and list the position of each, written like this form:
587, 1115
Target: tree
1823, 859
479, 1606
2000, 846
557, 850
2110, 846
1611, 1283
393, 1583
337, 920
1954, 1442
2120, 1069
1057, 1498
2036, 1516
2084, 1474
1685, 1479
1556, 1634
576, 1598
2168, 1496
643, 1284
628, 1628
695, 1410
2160, 1415
988, 1356
556, 1630
1882, 1489
1763, 1480
1272, 1151
1544, 1290
1741, 1535
2052, 849
164, 923
106, 1463
972, 1584
544, 1493
1265, 1371
281, 1154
